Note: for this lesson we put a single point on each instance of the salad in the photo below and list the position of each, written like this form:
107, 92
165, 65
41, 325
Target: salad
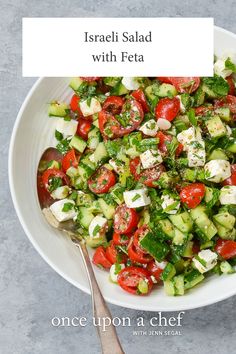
146, 169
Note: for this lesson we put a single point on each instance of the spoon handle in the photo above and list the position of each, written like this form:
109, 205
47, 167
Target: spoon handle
109, 340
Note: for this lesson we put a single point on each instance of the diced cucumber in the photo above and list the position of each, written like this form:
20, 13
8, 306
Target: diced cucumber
166, 227
85, 217
216, 127
169, 287
145, 218
111, 81
199, 97
94, 137
232, 145
202, 221
179, 284
179, 238
54, 164
188, 252
223, 113
151, 91
207, 244
107, 209
156, 248
119, 89
95, 242
84, 199
174, 286
143, 286
192, 278
85, 172
168, 272
57, 109
218, 154
226, 268
117, 193
225, 219
100, 153
78, 143
182, 221
166, 90
75, 83
72, 172
225, 233
96, 123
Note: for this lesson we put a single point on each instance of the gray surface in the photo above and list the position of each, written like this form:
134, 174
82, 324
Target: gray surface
30, 292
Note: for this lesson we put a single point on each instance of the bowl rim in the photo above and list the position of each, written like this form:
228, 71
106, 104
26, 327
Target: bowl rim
131, 305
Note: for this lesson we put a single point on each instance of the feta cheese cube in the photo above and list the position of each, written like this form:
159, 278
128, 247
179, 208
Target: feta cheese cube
97, 225
61, 192
169, 204
56, 209
150, 158
150, 128
136, 198
130, 83
228, 195
196, 154
91, 108
163, 124
220, 70
186, 137
205, 260
117, 165
67, 127
114, 271
217, 170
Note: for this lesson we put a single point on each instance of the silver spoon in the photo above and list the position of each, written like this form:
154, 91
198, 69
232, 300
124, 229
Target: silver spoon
109, 340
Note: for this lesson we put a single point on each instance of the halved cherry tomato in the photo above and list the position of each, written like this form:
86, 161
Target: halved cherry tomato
138, 235
162, 146
192, 194
140, 97
90, 78
231, 181
102, 180
111, 128
185, 84
226, 248
84, 126
120, 239
129, 279
153, 268
69, 160
167, 108
149, 176
138, 256
100, 259
125, 220
201, 110
74, 105
231, 84
164, 79
53, 172
113, 104
113, 255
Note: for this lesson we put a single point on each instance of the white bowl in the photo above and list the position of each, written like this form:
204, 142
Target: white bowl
33, 132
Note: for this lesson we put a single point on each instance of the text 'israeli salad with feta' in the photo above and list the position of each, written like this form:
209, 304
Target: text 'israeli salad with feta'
146, 169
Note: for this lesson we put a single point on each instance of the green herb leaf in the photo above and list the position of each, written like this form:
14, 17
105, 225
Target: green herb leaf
54, 183
67, 207
58, 135
192, 118
230, 65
